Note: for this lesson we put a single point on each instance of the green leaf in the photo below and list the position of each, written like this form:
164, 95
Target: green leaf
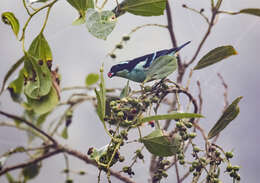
41, 119
45, 104
9, 19
10, 178
101, 98
2, 161
10, 72
215, 56
170, 116
160, 144
81, 6
38, 78
97, 153
141, 7
64, 133
126, 90
228, 115
31, 171
40, 49
161, 68
251, 11
16, 87
91, 79
100, 24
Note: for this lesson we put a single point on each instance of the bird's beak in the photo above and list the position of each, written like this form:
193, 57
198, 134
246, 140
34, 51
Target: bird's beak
110, 74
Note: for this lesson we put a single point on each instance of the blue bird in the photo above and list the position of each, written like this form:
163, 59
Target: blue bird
136, 69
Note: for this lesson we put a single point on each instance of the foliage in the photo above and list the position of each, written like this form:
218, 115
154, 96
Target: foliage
37, 90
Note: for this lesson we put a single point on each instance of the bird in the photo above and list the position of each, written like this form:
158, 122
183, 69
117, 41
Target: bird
137, 68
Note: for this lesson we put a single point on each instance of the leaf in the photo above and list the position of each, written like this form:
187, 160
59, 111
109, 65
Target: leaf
10, 72
97, 153
251, 11
31, 171
38, 78
170, 116
45, 104
100, 24
40, 49
2, 161
37, 65
81, 6
126, 90
64, 133
10, 178
101, 97
141, 7
215, 56
228, 115
16, 87
9, 19
160, 144
161, 68
91, 79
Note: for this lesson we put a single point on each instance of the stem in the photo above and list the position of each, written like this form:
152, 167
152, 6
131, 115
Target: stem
46, 19
29, 19
25, 6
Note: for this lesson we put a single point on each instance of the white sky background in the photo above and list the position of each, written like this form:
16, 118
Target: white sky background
77, 53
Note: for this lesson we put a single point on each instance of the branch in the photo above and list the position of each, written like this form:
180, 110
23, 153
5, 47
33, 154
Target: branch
85, 158
30, 124
174, 42
36, 160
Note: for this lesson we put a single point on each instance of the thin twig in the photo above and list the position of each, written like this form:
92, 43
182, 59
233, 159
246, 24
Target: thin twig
85, 158
30, 124
177, 170
36, 160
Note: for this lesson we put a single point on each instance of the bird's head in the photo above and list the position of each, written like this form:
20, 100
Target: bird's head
116, 69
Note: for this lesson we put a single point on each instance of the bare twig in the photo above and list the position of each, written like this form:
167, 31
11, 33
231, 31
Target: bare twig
28, 123
36, 160
85, 158
225, 91
177, 170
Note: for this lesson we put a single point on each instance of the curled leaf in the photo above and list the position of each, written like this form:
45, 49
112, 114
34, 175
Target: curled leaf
215, 56
38, 80
228, 115
44, 104
10, 19
160, 144
100, 24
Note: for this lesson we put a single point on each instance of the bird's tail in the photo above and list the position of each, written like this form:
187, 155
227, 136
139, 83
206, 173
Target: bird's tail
175, 50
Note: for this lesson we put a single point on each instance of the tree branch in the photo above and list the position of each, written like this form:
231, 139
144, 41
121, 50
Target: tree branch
36, 160
85, 158
30, 124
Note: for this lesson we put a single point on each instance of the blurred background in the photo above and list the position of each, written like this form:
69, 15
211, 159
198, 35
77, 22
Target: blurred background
78, 53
